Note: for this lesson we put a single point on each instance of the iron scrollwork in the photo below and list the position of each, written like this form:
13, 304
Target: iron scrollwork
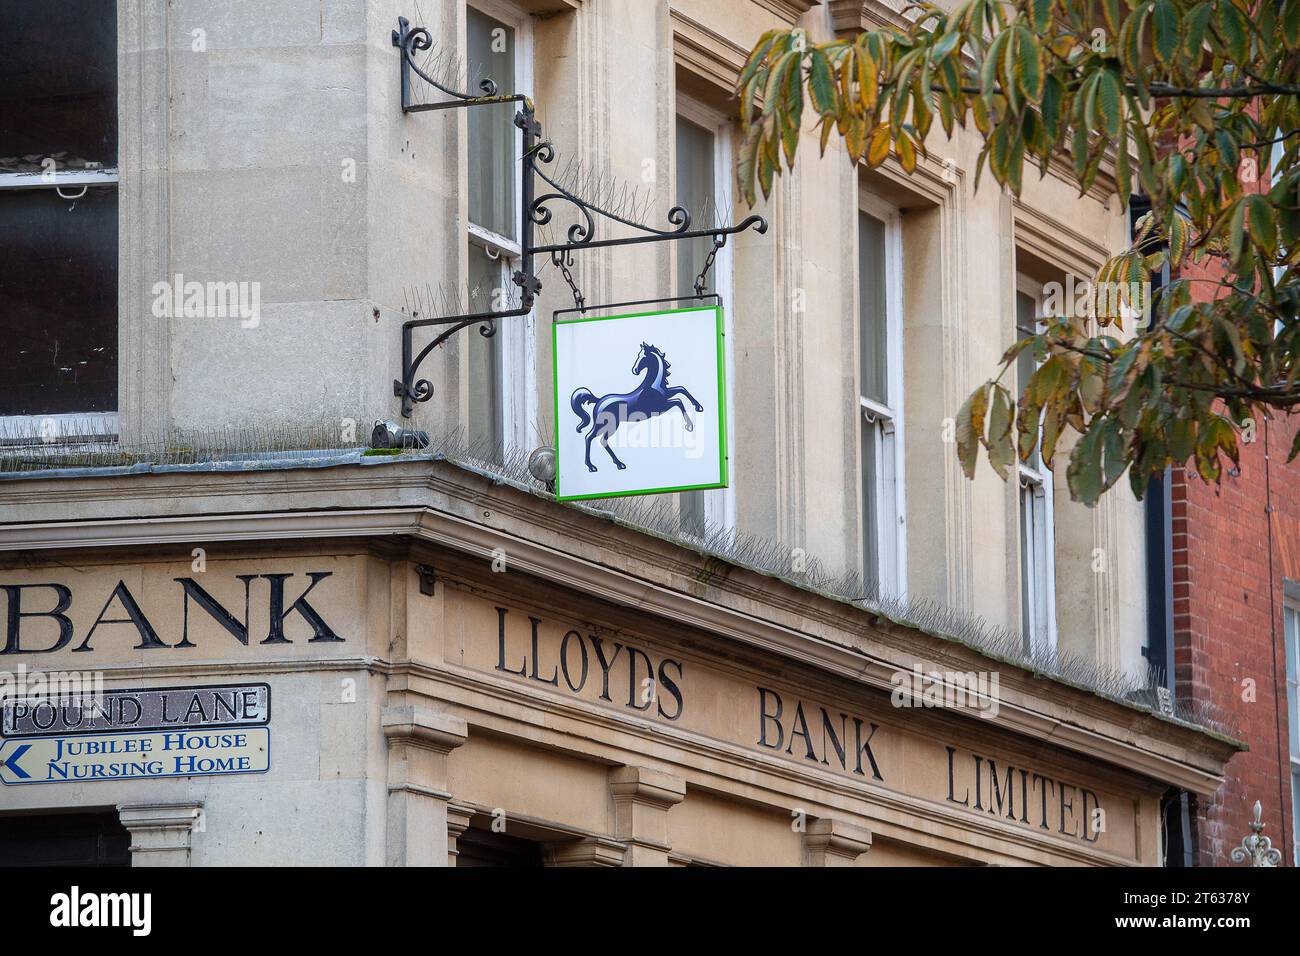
535, 211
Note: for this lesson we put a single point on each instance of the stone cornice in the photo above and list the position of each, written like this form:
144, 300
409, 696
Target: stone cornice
449, 507
788, 10
855, 16
549, 8
416, 727
1056, 242
707, 53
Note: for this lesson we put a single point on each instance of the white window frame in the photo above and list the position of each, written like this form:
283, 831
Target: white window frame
1291, 641
890, 532
517, 337
63, 428
720, 503
1036, 500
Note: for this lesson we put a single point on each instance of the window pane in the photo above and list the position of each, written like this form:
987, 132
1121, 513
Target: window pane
873, 334
58, 83
493, 169
1028, 569
58, 302
1291, 618
1026, 318
1295, 812
485, 433
692, 513
870, 506
695, 191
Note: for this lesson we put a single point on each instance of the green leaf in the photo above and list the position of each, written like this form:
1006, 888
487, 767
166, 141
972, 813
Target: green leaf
947, 43
1084, 474
1165, 25
791, 117
1262, 222
1114, 459
1194, 26
1181, 436
746, 166
1109, 105
777, 78
749, 76
1235, 31
1002, 452
1050, 106
1289, 21
868, 80
821, 82
1040, 15
970, 427
1029, 65
1130, 38
1237, 232
1177, 236
1111, 10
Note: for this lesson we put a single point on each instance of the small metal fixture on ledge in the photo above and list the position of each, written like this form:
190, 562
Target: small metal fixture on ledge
428, 579
390, 435
537, 155
542, 466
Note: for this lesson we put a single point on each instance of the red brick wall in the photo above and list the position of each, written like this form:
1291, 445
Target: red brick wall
1229, 563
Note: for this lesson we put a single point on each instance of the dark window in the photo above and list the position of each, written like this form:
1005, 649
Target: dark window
64, 839
58, 207
477, 847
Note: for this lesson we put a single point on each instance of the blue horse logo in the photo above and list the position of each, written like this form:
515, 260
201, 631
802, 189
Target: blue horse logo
652, 397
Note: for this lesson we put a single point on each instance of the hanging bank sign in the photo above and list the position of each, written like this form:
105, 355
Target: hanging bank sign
640, 403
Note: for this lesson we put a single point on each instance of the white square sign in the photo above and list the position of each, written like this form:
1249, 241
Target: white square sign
640, 403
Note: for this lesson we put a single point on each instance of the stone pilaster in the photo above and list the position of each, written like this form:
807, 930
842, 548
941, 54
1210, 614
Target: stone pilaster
458, 817
160, 832
642, 799
418, 744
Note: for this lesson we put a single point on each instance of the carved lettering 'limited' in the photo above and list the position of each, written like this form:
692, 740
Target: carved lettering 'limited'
38, 621
1030, 799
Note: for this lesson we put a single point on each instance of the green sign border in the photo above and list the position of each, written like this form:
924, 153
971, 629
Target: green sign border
722, 403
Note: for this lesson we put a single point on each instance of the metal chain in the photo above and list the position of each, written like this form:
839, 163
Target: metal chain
563, 261
702, 279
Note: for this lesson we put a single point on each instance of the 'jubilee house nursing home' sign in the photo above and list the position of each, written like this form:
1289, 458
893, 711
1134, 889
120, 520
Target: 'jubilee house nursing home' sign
640, 403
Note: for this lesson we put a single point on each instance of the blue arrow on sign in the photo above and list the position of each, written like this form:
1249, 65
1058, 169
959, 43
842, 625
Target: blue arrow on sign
11, 763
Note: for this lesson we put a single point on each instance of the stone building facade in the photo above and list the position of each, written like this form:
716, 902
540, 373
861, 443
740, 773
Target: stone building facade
455, 667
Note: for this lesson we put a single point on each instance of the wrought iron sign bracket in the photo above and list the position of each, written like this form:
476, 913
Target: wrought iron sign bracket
537, 154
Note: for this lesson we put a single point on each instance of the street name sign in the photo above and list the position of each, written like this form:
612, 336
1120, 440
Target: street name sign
136, 709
